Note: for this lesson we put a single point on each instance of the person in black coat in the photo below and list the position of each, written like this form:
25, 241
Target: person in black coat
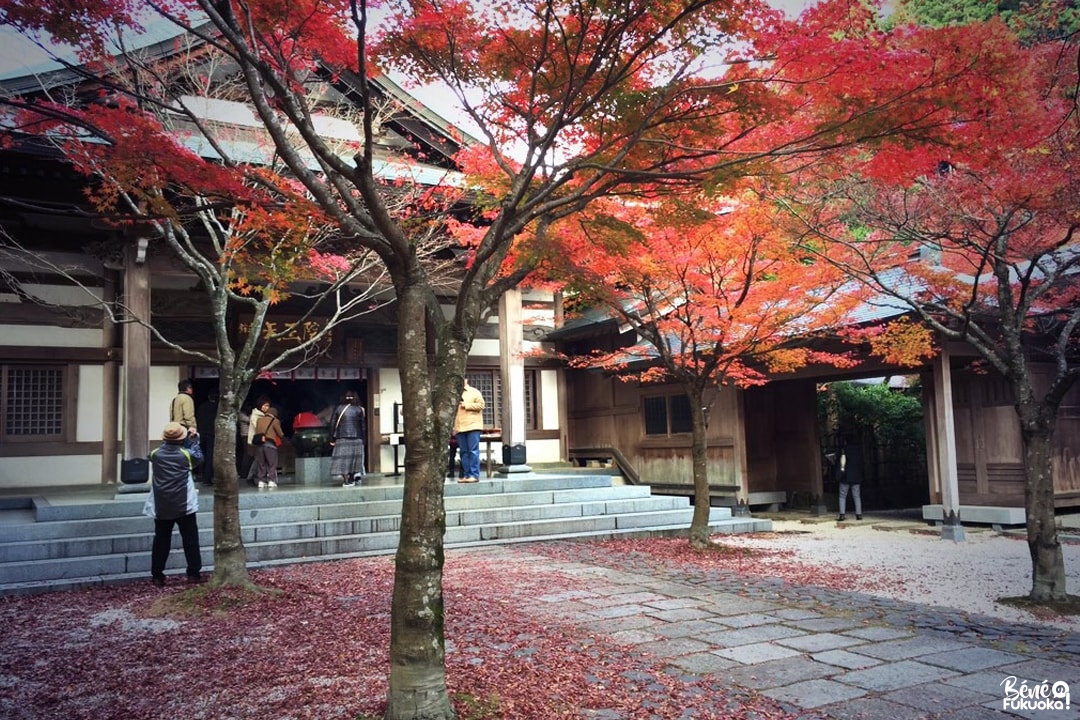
849, 469
173, 500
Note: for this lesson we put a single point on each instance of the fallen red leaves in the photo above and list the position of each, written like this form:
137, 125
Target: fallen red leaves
756, 562
318, 649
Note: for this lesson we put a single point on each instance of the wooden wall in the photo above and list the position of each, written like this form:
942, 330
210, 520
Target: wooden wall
772, 432
778, 422
603, 410
990, 457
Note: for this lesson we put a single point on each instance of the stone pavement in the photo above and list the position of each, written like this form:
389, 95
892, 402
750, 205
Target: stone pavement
821, 653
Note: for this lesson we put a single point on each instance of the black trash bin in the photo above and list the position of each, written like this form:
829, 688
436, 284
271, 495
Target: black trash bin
135, 471
514, 454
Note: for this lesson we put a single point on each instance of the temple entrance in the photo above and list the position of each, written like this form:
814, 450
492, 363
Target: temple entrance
291, 396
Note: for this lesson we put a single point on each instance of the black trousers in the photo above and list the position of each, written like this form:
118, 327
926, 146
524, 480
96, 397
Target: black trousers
189, 535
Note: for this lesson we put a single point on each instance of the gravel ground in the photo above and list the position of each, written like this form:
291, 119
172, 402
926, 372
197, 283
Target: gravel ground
920, 567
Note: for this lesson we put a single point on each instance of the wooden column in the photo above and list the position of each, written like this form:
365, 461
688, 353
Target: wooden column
738, 447
945, 440
136, 354
930, 432
110, 386
512, 367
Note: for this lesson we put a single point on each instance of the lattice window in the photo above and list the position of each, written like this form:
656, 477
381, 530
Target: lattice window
488, 383
33, 399
532, 407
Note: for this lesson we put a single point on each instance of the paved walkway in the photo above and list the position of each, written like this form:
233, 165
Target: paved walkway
819, 652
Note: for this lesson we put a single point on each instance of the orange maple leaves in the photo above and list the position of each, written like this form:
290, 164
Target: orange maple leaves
717, 289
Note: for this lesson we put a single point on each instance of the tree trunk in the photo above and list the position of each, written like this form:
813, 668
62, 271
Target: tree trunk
699, 524
230, 557
1047, 560
417, 640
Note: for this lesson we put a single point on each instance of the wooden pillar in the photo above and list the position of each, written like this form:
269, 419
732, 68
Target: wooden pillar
512, 367
136, 352
110, 386
945, 440
931, 434
817, 480
559, 318
738, 443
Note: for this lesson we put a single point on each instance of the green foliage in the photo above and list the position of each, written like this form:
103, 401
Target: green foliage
1032, 20
893, 417
941, 13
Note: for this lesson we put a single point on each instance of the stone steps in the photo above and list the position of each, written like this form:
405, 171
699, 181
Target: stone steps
52, 546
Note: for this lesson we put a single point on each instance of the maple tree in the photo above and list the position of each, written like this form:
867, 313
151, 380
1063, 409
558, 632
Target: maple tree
990, 214
715, 292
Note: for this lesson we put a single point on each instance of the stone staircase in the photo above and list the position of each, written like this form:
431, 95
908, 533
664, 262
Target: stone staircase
53, 546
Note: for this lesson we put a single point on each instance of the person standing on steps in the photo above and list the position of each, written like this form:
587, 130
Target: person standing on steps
468, 423
849, 469
182, 409
251, 452
173, 500
268, 438
347, 438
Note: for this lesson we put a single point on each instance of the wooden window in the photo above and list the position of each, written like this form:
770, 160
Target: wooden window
679, 413
667, 414
532, 402
33, 402
655, 415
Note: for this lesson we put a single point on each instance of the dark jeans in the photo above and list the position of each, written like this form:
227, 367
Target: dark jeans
469, 449
189, 535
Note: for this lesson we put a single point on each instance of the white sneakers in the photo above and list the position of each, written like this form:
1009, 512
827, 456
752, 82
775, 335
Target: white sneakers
263, 485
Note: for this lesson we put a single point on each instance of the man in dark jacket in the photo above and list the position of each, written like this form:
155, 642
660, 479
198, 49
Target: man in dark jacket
173, 500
